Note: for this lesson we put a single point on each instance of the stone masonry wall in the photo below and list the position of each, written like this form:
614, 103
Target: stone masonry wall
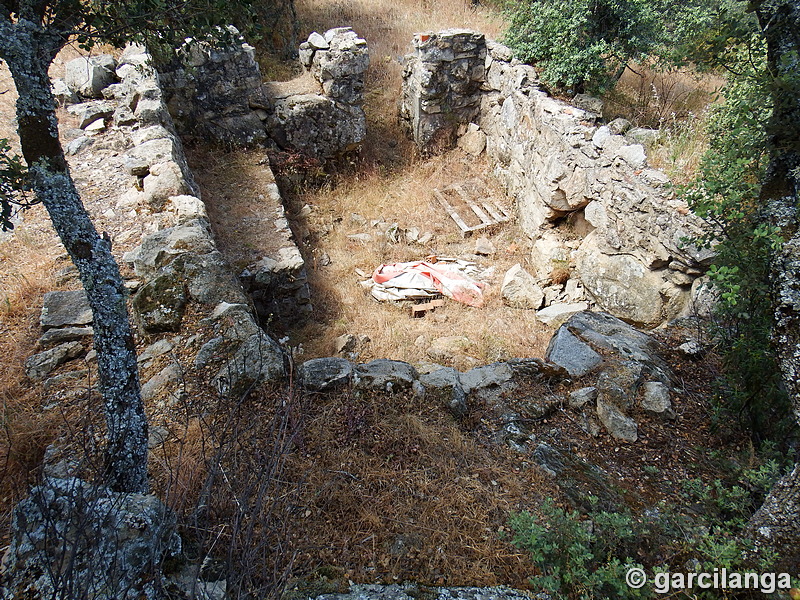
442, 86
218, 94
215, 93
584, 193
321, 114
177, 263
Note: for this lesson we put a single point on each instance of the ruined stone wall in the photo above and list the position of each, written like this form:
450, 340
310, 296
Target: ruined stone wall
442, 79
215, 93
321, 114
218, 94
584, 192
177, 262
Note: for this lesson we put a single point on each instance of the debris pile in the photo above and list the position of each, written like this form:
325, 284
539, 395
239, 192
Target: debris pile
427, 280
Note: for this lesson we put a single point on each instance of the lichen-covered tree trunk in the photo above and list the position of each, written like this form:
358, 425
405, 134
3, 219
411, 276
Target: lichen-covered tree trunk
28, 49
776, 525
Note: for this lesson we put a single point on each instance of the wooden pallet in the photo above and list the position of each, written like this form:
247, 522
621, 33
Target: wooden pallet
420, 310
488, 212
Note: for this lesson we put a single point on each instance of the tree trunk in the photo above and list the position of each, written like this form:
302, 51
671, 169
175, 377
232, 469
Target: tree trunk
776, 525
29, 49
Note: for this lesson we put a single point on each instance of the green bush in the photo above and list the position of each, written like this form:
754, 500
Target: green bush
727, 195
578, 558
588, 557
585, 45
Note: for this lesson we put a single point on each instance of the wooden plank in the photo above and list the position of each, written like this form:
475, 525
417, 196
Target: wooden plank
451, 211
502, 209
493, 212
485, 219
418, 310
461, 192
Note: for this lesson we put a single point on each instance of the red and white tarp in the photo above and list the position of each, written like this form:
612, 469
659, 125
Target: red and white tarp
421, 279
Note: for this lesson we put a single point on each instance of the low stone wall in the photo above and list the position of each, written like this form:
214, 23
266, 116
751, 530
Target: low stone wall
584, 192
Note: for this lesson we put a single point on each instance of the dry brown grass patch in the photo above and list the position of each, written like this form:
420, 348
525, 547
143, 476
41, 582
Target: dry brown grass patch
676, 102
397, 490
26, 265
405, 197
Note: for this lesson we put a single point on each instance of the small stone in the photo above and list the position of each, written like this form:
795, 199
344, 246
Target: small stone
588, 103
575, 355
633, 155
640, 135
345, 343
619, 126
581, 397
520, 290
691, 349
557, 314
39, 366
656, 400
473, 142
384, 374
618, 424
136, 166
156, 436
70, 308
316, 40
484, 246
72, 378
78, 144
63, 334
164, 386
155, 350
325, 374
426, 237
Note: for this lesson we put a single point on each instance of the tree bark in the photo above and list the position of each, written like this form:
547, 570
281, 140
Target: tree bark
776, 525
28, 48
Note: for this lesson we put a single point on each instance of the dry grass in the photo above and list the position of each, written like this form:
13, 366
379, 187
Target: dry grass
27, 262
676, 101
404, 197
651, 98
399, 491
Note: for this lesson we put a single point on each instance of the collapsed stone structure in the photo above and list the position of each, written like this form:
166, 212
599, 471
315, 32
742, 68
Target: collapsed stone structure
584, 193
217, 93
322, 114
179, 268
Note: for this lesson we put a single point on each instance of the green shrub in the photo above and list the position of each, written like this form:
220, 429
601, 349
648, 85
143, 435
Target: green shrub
578, 558
726, 194
589, 557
